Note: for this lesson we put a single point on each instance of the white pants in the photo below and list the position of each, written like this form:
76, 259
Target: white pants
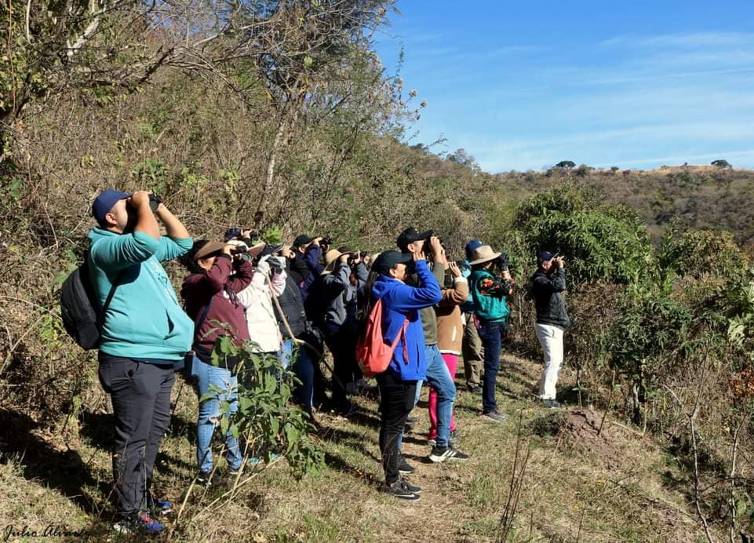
551, 338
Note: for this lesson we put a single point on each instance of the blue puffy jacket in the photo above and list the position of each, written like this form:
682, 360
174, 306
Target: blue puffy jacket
400, 302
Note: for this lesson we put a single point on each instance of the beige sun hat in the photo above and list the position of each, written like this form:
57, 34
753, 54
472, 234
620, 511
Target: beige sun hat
331, 260
483, 254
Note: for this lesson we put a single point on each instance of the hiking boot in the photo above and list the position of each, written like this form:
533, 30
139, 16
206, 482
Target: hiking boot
158, 507
445, 454
495, 416
139, 523
404, 467
474, 389
400, 489
551, 404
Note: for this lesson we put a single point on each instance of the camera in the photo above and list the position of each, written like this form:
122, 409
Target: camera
353, 258
236, 232
154, 202
232, 233
327, 241
429, 253
503, 262
277, 264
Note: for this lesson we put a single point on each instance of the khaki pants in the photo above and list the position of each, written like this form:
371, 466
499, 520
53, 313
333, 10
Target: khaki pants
473, 354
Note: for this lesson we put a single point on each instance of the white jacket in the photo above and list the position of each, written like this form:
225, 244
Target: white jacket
260, 315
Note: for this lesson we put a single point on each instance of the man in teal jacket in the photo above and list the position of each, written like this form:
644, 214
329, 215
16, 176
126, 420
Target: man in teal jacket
144, 337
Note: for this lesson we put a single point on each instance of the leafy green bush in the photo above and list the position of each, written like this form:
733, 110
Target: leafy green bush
602, 243
265, 419
700, 252
650, 336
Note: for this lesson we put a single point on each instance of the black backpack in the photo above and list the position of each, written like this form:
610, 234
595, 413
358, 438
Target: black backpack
79, 307
318, 300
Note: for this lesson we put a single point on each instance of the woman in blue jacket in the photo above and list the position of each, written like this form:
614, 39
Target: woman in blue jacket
401, 303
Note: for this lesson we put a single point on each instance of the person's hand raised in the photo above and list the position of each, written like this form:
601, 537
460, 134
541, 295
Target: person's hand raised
140, 198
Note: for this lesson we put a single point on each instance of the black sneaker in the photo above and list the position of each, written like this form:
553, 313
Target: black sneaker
413, 488
399, 489
551, 404
445, 454
474, 389
404, 467
495, 416
209, 479
345, 410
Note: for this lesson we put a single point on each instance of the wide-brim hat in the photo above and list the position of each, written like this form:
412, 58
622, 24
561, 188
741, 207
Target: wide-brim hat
256, 250
483, 254
208, 249
331, 259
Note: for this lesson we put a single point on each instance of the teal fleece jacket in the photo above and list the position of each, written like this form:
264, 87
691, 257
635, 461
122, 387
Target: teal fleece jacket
144, 319
489, 293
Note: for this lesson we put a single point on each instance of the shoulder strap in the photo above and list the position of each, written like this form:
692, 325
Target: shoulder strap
203, 316
405, 343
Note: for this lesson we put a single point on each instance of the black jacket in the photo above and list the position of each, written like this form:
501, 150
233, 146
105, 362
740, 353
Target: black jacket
547, 291
293, 309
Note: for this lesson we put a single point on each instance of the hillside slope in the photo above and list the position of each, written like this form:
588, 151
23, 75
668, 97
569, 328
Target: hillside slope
575, 483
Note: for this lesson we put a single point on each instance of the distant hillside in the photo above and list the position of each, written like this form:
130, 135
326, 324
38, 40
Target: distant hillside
703, 197
696, 196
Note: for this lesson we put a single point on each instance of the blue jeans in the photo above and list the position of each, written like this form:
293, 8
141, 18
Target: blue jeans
204, 376
303, 367
439, 378
491, 334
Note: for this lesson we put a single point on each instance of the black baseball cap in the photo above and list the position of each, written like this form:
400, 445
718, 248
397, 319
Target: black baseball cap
387, 261
544, 256
302, 240
410, 235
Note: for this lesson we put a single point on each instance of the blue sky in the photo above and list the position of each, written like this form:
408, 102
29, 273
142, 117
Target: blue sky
634, 84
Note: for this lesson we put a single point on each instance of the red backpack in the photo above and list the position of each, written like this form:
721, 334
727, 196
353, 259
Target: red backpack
373, 354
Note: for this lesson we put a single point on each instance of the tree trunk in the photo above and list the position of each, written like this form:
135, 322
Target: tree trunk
280, 143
